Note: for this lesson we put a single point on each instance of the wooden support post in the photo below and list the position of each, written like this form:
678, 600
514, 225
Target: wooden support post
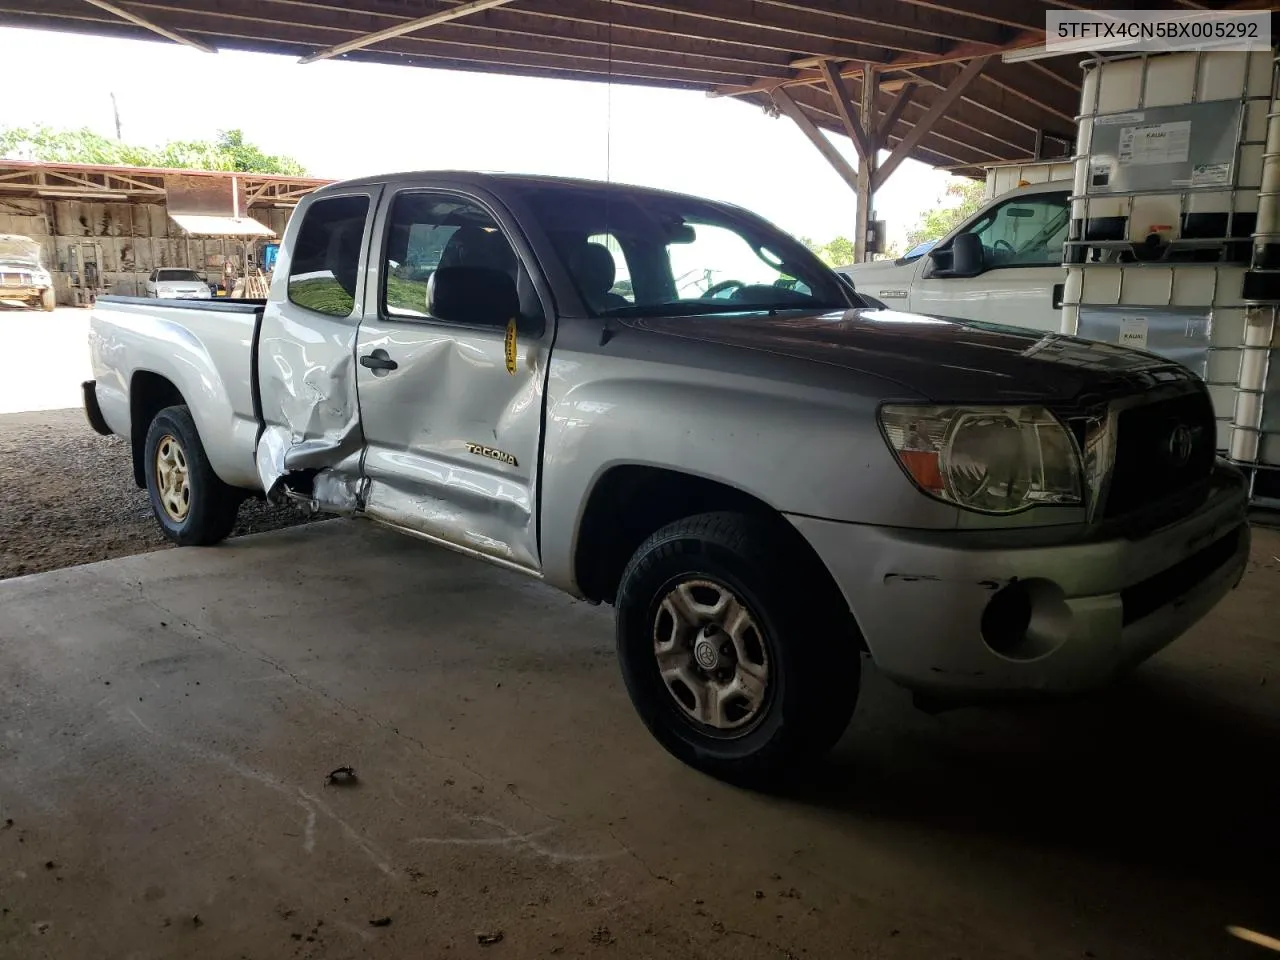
867, 169
842, 166
925, 123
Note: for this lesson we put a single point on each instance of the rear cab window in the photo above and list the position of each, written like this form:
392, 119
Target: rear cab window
325, 264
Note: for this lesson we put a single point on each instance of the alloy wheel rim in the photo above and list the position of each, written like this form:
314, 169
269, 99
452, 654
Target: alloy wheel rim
173, 479
711, 655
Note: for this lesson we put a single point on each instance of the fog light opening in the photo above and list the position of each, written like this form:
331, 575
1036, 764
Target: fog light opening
1026, 619
1006, 619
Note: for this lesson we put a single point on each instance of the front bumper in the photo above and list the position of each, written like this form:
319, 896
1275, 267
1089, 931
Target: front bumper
1101, 606
21, 293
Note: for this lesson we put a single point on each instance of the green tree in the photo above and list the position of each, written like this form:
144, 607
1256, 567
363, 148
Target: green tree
839, 251
961, 199
834, 253
229, 151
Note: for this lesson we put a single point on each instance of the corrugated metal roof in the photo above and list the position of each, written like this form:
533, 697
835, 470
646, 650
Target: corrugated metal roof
205, 226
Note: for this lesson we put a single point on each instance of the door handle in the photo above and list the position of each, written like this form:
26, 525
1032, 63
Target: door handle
1058, 290
378, 360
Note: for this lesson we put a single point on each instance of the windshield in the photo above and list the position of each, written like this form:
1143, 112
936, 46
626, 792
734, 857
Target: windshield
172, 276
652, 255
919, 250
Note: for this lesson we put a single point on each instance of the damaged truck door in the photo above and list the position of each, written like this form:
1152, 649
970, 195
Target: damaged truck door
452, 363
311, 441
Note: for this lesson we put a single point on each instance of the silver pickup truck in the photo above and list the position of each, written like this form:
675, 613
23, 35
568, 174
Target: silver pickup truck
668, 405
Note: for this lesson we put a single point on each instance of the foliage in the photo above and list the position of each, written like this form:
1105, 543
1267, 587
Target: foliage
228, 151
834, 253
322, 294
961, 200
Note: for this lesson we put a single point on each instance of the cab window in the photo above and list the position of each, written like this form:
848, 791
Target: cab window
428, 231
1024, 231
326, 256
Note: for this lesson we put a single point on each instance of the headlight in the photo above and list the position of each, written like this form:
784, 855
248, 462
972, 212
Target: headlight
988, 459
42, 278
164, 291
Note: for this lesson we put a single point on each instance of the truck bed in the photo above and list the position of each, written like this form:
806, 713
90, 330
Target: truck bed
147, 351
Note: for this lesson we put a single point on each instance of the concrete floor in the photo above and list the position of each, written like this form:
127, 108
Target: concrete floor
168, 721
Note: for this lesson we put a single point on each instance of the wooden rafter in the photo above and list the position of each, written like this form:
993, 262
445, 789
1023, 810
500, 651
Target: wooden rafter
833, 156
959, 52
938, 108
153, 26
431, 19
895, 112
844, 107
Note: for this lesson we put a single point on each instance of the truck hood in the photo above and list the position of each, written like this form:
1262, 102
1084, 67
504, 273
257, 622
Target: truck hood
18, 263
16, 249
942, 359
878, 270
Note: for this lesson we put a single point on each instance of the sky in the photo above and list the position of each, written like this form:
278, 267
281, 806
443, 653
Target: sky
345, 119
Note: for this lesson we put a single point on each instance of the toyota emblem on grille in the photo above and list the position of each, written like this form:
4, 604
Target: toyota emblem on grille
1180, 443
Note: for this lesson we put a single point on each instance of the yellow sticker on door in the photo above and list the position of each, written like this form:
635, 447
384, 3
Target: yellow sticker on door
509, 346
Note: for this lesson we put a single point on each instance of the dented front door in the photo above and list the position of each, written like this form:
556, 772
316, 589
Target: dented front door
452, 414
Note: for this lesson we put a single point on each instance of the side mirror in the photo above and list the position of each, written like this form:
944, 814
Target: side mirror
966, 256
478, 296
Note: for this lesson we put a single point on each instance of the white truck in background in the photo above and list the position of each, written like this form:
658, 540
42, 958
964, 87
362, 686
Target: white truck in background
1002, 265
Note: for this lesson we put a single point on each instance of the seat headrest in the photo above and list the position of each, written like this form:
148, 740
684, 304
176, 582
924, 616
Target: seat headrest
476, 247
594, 268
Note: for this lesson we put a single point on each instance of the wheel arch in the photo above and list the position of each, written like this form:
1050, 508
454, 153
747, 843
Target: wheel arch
628, 502
149, 393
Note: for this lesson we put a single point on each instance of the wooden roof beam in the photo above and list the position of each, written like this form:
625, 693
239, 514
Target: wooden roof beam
400, 29
848, 115
153, 26
925, 124
895, 112
800, 23
891, 13
936, 141
957, 53
786, 105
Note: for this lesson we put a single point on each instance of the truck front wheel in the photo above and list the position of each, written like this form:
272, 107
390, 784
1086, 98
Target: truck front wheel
192, 505
740, 658
47, 300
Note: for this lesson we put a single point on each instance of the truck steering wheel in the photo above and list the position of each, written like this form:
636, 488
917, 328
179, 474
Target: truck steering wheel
717, 288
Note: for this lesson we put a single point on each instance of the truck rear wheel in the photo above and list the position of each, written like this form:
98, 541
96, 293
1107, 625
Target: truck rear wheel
192, 505
740, 659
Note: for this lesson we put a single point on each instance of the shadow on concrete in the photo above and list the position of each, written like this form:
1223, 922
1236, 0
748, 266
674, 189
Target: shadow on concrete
1152, 800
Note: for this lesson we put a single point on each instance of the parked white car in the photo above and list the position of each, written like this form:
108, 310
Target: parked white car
23, 277
1002, 265
177, 283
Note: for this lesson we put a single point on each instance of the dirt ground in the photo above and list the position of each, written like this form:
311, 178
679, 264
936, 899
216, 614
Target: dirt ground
67, 497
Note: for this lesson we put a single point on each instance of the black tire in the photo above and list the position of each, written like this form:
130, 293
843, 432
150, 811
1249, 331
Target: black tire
807, 636
211, 505
47, 301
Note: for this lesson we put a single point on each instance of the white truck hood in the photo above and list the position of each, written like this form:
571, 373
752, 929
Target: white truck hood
880, 271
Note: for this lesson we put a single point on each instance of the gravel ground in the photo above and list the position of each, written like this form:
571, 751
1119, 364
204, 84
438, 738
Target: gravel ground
67, 497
